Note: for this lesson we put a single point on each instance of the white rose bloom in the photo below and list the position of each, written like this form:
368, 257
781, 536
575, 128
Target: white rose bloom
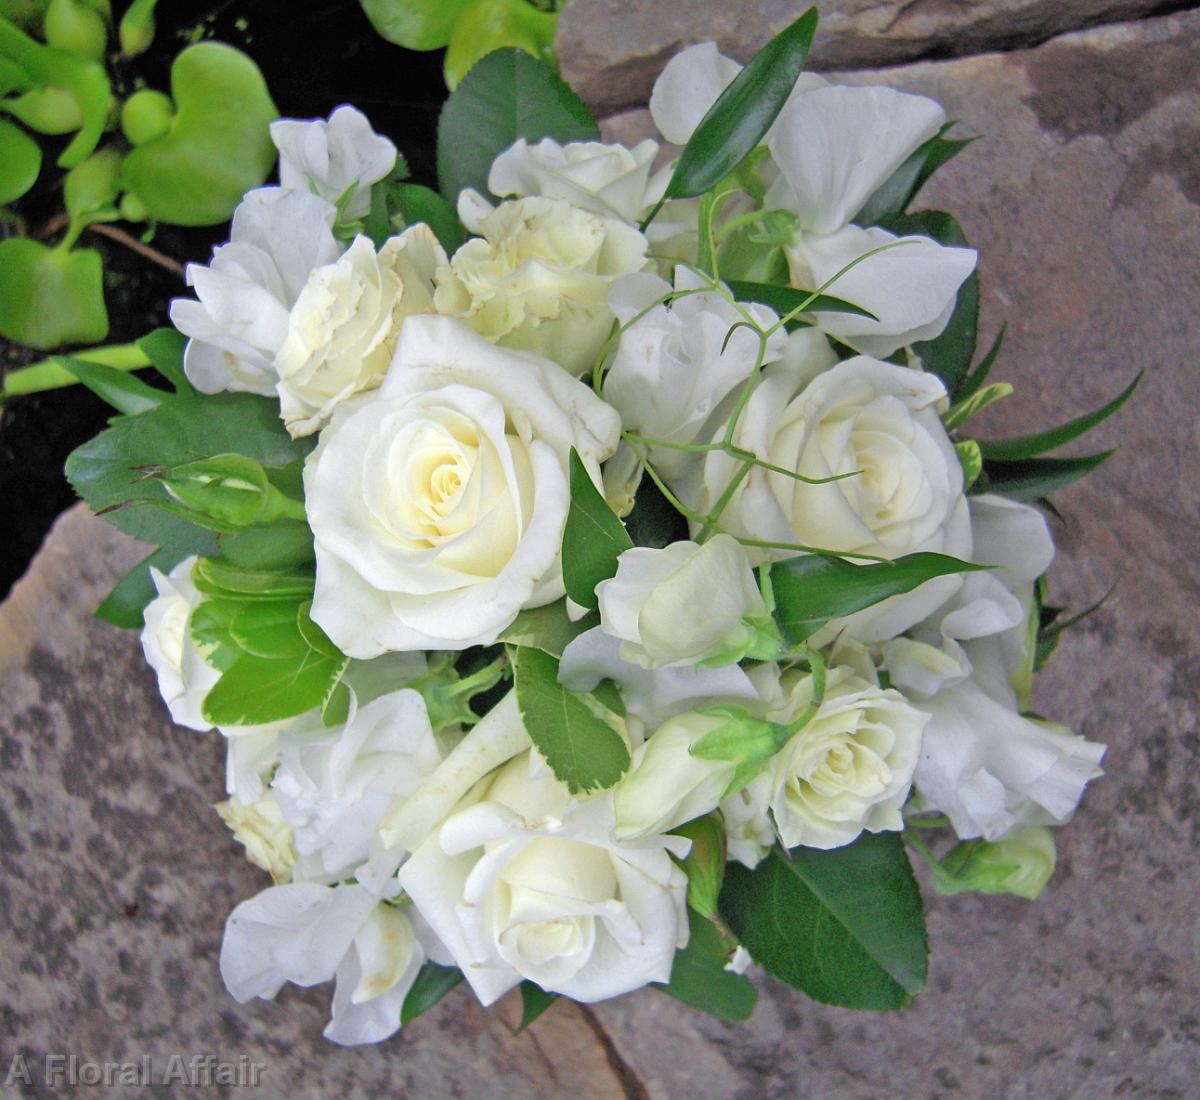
529, 885
330, 158
674, 366
610, 180
308, 934
184, 676
342, 329
246, 294
335, 789
438, 506
683, 604
749, 831
538, 276
264, 832
850, 767
861, 415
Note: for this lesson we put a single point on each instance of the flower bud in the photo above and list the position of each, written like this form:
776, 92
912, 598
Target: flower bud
704, 865
228, 491
1020, 863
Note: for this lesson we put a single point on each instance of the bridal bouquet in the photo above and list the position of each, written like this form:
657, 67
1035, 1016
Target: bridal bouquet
590, 568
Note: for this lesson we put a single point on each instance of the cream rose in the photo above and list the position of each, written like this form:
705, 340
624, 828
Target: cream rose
437, 506
343, 328
529, 885
538, 277
264, 832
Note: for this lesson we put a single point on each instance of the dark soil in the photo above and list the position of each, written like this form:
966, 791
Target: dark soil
314, 56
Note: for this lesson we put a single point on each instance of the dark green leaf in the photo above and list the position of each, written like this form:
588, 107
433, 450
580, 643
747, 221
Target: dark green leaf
744, 112
548, 628
971, 383
593, 538
534, 1001
699, 978
784, 299
415, 203
1051, 627
124, 392
125, 604
845, 926
432, 984
811, 590
275, 547
583, 750
1034, 478
654, 520
507, 95
1029, 445
164, 348
895, 194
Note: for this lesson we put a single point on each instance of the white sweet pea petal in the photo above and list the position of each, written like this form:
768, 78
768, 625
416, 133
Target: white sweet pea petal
835, 146
330, 158
264, 832
1012, 536
911, 287
749, 831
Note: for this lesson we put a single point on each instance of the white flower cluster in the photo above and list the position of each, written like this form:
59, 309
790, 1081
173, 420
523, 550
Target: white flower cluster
446, 396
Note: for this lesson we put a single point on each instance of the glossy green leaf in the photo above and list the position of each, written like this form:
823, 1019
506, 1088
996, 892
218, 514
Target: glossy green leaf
845, 926
268, 628
50, 297
962, 411
416, 203
164, 349
218, 145
547, 628
971, 383
971, 461
90, 189
744, 111
654, 520
221, 578
125, 604
784, 299
1034, 478
47, 375
257, 690
593, 538
486, 25
275, 547
534, 1001
146, 115
811, 590
1029, 445
508, 95
432, 984
20, 162
895, 193
76, 28
414, 24
699, 978
583, 750
123, 391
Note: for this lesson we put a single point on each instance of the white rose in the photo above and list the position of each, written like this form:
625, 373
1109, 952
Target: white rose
850, 767
437, 507
676, 364
538, 277
606, 179
529, 885
338, 160
343, 327
749, 832
264, 832
277, 238
683, 604
184, 676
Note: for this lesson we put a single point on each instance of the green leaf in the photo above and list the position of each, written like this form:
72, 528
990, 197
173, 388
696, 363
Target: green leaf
971, 382
583, 750
125, 604
547, 628
415, 204
699, 978
164, 348
971, 460
414, 24
49, 296
1029, 445
432, 984
220, 578
255, 690
963, 410
268, 628
124, 392
508, 95
275, 547
1034, 478
1051, 627
20, 162
486, 25
654, 520
784, 299
91, 187
534, 1001
593, 538
744, 111
895, 194
811, 590
704, 865
218, 145
844, 926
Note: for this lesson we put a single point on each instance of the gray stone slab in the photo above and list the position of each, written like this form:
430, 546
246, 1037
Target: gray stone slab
1082, 195
611, 50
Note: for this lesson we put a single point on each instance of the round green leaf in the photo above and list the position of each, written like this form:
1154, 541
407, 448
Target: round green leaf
146, 115
20, 162
487, 25
49, 297
92, 185
218, 145
414, 24
49, 110
75, 28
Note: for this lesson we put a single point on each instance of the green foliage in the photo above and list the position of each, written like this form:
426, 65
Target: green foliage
785, 299
124, 392
49, 296
508, 95
534, 1001
971, 460
20, 162
395, 202
76, 28
486, 25
845, 926
582, 748
897, 192
547, 628
962, 411
699, 978
593, 538
414, 24
1036, 478
704, 865
125, 604
432, 984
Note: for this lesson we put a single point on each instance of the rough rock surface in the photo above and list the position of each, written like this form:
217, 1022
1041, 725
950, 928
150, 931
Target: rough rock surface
611, 50
1082, 196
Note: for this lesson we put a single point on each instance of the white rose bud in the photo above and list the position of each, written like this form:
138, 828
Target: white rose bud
264, 832
850, 767
342, 331
538, 277
184, 677
683, 604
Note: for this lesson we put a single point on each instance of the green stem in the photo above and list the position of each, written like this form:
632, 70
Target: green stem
47, 375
